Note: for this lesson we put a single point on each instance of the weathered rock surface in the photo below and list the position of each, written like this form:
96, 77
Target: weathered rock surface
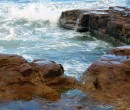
20, 79
108, 79
113, 22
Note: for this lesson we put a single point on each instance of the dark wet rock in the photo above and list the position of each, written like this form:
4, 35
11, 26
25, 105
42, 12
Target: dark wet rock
48, 68
68, 19
114, 22
20, 79
108, 79
83, 22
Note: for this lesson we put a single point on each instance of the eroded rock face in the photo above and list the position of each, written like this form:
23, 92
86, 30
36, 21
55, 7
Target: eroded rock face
109, 78
113, 22
20, 79
68, 19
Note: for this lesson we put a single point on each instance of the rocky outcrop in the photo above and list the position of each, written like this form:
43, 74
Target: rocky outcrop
108, 79
114, 22
20, 79
68, 19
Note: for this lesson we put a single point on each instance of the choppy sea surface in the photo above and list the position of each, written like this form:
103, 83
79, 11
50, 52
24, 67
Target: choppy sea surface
30, 28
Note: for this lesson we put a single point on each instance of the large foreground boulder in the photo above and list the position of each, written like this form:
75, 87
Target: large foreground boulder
20, 79
108, 79
113, 22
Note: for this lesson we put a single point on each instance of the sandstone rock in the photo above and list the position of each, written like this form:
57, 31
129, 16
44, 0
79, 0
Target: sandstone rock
83, 22
9, 68
109, 77
68, 18
20, 79
11, 59
114, 22
121, 51
48, 68
25, 69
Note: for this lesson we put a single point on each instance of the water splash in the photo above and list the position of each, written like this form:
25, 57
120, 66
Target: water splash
31, 11
50, 10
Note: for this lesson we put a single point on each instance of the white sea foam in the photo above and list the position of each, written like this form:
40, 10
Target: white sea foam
50, 10
11, 35
31, 11
76, 70
1, 48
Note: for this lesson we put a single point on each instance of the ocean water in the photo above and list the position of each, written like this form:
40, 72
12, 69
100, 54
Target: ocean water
30, 28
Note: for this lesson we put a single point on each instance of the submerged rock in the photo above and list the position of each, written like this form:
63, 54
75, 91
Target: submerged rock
20, 79
108, 79
113, 22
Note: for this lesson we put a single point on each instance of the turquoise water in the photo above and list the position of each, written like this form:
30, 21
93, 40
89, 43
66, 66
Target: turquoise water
30, 28
128, 3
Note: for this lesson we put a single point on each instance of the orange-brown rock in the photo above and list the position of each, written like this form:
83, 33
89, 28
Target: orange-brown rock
108, 79
20, 79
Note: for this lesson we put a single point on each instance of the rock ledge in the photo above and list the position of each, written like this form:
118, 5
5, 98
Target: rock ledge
103, 24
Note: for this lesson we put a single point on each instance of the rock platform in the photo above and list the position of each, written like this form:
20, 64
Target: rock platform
111, 25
